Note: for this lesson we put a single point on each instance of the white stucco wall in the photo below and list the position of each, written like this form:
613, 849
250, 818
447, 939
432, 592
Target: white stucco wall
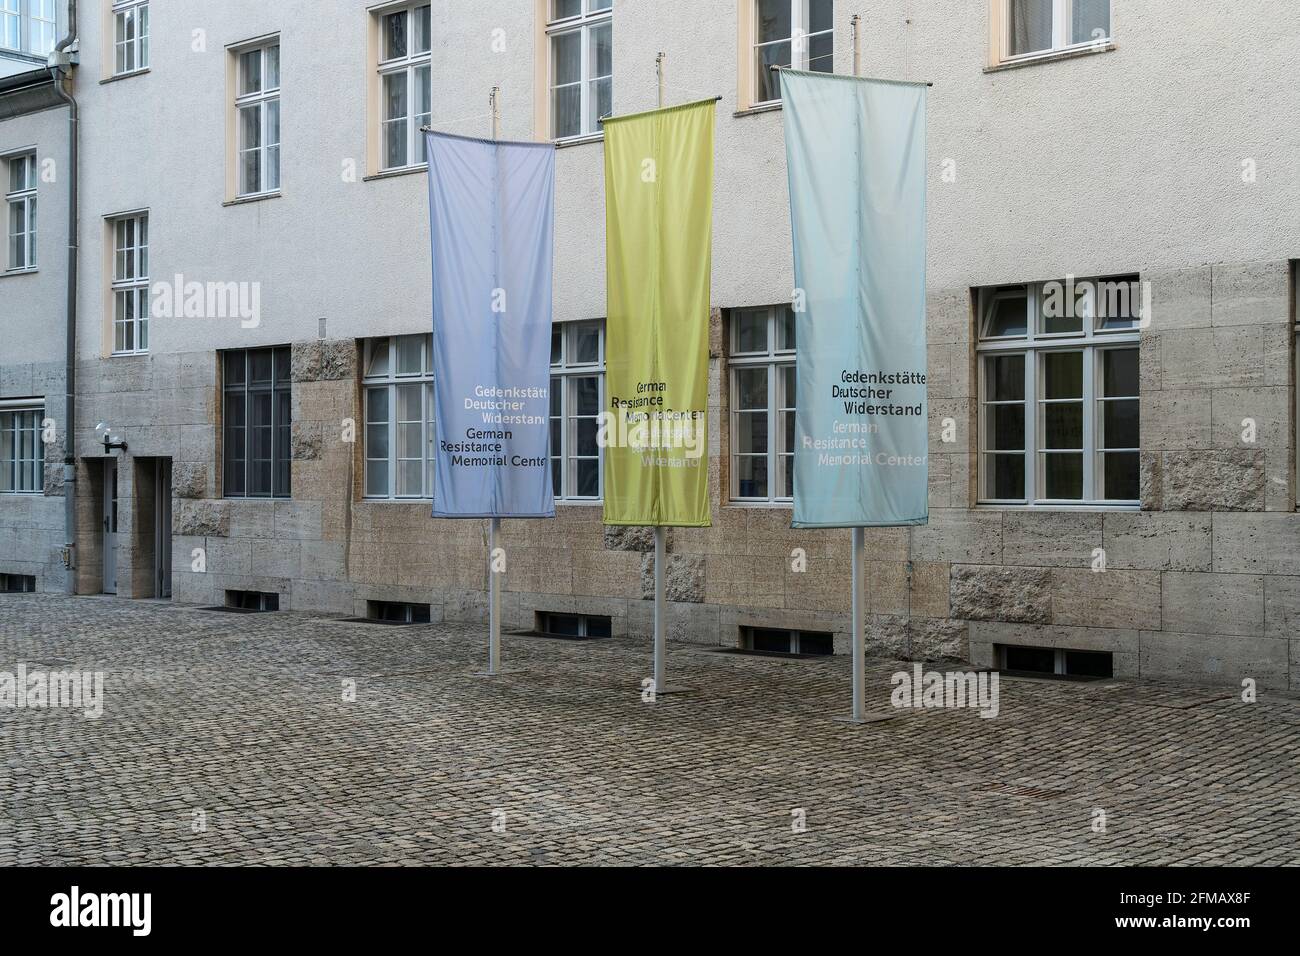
1120, 161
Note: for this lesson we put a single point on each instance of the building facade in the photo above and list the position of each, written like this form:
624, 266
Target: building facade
1111, 323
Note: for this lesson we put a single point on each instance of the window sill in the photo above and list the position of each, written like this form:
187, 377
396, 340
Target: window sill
577, 503
138, 354
760, 108
124, 76
18, 272
1059, 508
394, 173
1052, 56
768, 505
245, 200
579, 140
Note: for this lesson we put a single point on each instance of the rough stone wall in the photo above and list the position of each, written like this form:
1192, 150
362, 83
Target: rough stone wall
1202, 583
32, 531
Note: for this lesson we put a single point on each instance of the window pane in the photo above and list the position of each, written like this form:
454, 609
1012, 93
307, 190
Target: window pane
821, 15
1062, 425
1119, 303
751, 476
557, 348
250, 72
786, 330
562, 9
234, 369
1029, 26
566, 58
1064, 474
751, 330
567, 108
588, 478
410, 355
586, 396
1006, 378
585, 444
1006, 427
377, 358
1009, 314
1007, 476
1059, 314
601, 45
1120, 424
395, 96
586, 345
767, 84
1120, 372
1121, 475
751, 388
751, 433
395, 35
821, 53
1091, 20
773, 20
423, 32
273, 67
1063, 372
259, 367
376, 474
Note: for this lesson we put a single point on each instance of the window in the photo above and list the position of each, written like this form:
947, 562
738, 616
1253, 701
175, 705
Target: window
255, 424
22, 453
130, 284
762, 404
398, 382
580, 34
574, 625
767, 640
1056, 662
130, 36
20, 201
577, 397
790, 33
406, 85
1031, 28
257, 118
1058, 393
29, 26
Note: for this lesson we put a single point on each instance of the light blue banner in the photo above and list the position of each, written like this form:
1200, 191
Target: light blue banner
491, 217
856, 155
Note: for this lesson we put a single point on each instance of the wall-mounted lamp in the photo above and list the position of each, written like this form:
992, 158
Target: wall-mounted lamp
109, 441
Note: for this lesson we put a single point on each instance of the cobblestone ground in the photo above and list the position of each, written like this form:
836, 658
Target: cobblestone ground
242, 717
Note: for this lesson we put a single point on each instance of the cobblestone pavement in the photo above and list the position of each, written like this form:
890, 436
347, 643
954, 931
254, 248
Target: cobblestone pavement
242, 717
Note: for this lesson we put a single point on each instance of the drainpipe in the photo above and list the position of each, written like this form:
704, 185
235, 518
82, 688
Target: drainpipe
61, 62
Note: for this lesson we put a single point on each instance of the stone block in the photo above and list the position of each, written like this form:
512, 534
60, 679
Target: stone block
203, 519
954, 536
1251, 293
1001, 594
306, 440
1176, 419
938, 640
1157, 541
745, 580
1226, 480
1051, 538
1218, 604
948, 317
1210, 659
1282, 607
949, 371
610, 573
338, 360
1181, 299
189, 480
629, 538
1253, 418
1111, 599
1214, 358
683, 578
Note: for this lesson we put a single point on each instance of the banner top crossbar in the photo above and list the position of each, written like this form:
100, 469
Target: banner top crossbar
845, 76
429, 130
659, 109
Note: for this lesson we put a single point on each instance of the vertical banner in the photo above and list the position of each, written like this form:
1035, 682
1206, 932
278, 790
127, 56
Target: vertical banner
491, 217
659, 240
856, 157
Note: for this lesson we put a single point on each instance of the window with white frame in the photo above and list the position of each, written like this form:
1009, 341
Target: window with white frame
580, 34
405, 84
577, 398
130, 36
22, 453
29, 26
762, 404
256, 422
1032, 28
130, 283
20, 206
257, 118
400, 433
799, 34
1059, 400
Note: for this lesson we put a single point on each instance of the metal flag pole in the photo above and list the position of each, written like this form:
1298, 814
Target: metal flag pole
661, 643
494, 524
853, 26
858, 639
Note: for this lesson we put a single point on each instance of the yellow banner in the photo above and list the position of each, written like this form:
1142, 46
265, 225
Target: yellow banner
659, 240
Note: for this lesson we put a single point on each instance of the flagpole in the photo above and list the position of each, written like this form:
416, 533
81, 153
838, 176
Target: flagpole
858, 638
661, 643
494, 523
853, 26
